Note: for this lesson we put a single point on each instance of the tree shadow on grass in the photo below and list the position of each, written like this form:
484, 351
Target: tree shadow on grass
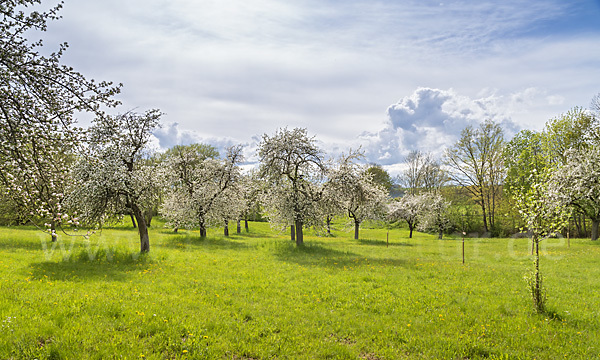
383, 243
20, 244
103, 265
253, 235
23, 238
187, 241
315, 254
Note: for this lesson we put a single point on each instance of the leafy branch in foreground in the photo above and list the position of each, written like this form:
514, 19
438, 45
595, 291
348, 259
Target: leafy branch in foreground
39, 98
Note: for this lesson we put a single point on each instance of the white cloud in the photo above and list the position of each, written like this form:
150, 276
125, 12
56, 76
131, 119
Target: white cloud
171, 134
431, 120
555, 100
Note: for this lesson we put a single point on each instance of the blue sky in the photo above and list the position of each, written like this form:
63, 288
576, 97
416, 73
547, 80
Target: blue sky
390, 76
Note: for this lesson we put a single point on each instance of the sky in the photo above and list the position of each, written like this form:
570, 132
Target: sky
386, 76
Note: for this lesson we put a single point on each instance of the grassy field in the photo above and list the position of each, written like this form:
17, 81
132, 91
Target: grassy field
257, 296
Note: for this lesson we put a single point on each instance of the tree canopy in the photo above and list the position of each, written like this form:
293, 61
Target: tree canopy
292, 163
39, 98
113, 177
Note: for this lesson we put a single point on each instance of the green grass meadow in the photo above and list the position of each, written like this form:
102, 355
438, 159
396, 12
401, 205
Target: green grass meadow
258, 296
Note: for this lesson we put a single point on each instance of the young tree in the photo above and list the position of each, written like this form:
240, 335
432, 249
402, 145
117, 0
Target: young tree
113, 177
475, 163
358, 194
408, 208
38, 100
291, 163
543, 216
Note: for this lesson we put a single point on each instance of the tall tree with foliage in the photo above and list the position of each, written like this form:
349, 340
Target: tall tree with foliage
412, 177
422, 173
113, 177
39, 98
523, 154
576, 130
291, 163
475, 163
381, 177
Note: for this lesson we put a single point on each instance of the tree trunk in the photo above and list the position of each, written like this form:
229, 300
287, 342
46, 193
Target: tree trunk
293, 233
299, 234
490, 222
53, 231
536, 288
175, 230
328, 226
532, 245
595, 223
584, 226
133, 220
202, 226
493, 208
411, 226
239, 226
226, 228
441, 235
246, 225
356, 227
148, 216
485, 224
577, 219
142, 229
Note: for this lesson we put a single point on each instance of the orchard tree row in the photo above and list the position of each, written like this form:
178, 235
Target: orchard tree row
58, 176
295, 185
